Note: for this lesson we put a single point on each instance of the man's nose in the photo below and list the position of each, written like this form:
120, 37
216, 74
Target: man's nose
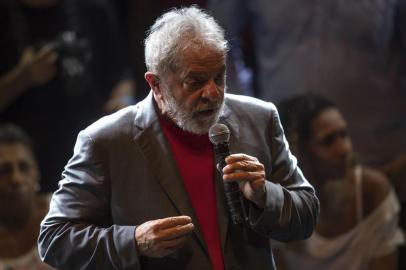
211, 91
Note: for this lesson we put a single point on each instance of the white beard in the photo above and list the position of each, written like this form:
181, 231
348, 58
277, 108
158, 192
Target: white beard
191, 120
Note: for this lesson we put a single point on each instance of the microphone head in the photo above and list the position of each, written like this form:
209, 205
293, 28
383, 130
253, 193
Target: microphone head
219, 133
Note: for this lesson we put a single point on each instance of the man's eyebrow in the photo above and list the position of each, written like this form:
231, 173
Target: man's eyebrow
201, 74
196, 74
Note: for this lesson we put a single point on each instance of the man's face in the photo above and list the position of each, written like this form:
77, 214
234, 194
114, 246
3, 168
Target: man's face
194, 94
18, 181
329, 144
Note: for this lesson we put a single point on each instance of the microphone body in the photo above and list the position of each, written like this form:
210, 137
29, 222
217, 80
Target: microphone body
219, 135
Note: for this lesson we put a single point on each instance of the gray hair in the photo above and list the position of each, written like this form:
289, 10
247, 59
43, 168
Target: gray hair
177, 30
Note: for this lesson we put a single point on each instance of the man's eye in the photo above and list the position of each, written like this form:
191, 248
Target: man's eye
219, 80
198, 82
195, 84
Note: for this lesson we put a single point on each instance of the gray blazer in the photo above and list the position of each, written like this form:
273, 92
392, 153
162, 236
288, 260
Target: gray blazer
122, 173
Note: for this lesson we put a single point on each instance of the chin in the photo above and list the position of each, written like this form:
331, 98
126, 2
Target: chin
199, 124
206, 124
197, 129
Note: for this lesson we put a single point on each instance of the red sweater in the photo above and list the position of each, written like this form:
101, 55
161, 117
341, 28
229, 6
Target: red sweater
195, 161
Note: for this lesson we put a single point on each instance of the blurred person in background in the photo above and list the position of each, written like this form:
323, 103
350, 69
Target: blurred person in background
21, 206
358, 224
62, 66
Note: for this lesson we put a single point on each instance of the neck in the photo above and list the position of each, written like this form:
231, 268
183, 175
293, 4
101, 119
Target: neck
19, 219
160, 109
17, 240
17, 222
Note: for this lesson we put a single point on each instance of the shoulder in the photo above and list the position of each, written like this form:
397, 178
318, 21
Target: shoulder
253, 113
245, 107
248, 103
376, 187
113, 125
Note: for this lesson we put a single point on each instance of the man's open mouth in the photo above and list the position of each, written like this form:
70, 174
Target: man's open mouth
205, 113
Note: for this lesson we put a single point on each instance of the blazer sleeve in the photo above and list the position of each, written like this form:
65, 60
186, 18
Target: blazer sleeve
77, 232
292, 207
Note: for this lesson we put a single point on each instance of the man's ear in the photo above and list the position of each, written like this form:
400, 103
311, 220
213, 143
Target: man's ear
153, 82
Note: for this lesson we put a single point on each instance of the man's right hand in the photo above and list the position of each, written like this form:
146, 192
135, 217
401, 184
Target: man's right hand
161, 237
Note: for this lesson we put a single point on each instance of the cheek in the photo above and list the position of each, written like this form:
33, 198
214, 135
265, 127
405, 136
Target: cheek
190, 102
32, 184
323, 154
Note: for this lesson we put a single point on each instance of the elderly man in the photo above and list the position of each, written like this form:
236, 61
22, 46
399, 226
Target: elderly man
141, 190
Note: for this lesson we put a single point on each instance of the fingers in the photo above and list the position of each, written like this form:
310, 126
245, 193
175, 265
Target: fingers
47, 53
173, 221
243, 167
246, 166
243, 162
164, 248
243, 176
173, 227
157, 238
249, 173
173, 243
246, 170
238, 157
178, 231
40, 66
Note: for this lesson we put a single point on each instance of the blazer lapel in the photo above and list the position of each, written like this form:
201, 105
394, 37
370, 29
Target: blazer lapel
156, 149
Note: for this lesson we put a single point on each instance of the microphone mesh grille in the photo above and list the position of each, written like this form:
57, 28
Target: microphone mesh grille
219, 133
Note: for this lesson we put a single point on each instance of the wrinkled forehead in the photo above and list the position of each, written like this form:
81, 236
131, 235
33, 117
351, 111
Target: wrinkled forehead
204, 59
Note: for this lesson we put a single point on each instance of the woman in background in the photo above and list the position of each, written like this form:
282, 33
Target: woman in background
358, 222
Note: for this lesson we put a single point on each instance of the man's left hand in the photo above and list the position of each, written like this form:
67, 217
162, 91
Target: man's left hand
249, 173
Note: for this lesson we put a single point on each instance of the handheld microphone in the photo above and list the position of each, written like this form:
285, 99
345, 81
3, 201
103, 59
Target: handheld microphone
219, 136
